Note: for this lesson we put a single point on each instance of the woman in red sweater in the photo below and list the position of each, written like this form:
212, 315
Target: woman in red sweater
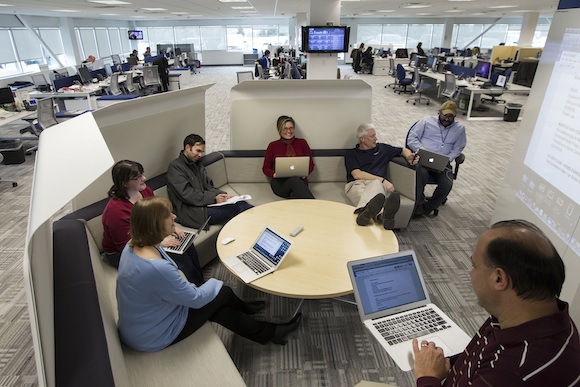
288, 146
129, 187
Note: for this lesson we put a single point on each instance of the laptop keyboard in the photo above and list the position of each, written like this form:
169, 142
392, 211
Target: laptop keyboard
410, 326
182, 243
253, 263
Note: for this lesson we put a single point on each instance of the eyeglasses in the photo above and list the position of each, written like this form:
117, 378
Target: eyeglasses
138, 177
448, 116
287, 129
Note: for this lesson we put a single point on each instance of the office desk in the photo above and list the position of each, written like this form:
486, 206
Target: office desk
476, 91
85, 93
315, 267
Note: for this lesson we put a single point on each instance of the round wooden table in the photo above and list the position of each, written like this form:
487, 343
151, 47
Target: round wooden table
315, 267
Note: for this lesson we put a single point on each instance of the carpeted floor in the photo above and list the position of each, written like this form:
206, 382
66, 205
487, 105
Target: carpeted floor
331, 348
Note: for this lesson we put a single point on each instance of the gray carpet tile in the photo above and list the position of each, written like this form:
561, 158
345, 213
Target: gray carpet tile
331, 347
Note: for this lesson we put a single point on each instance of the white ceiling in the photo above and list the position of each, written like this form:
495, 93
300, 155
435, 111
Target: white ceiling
214, 9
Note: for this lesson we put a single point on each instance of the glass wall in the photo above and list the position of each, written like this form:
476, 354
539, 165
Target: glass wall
400, 35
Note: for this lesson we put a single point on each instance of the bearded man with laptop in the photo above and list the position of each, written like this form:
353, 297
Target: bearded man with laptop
442, 137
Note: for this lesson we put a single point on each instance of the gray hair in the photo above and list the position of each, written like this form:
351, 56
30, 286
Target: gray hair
363, 129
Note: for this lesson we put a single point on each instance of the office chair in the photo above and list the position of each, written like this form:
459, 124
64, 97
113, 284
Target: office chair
497, 91
412, 59
419, 86
261, 72
151, 80
458, 161
392, 73
131, 87
245, 76
45, 118
114, 85
403, 82
449, 88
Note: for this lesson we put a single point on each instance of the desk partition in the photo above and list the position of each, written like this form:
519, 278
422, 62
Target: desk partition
327, 112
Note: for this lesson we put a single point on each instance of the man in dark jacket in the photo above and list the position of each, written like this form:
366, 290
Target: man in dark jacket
191, 190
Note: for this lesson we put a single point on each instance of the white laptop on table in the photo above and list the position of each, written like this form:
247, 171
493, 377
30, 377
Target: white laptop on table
291, 166
187, 240
432, 160
265, 256
394, 305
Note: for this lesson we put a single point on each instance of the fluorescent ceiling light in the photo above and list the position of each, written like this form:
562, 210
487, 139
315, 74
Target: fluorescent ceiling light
109, 14
6, 5
416, 6
109, 2
66, 10
523, 10
503, 6
454, 10
243, 7
424, 14
178, 13
386, 10
254, 11
154, 9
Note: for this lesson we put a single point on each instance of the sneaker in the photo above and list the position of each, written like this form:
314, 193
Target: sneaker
391, 206
371, 210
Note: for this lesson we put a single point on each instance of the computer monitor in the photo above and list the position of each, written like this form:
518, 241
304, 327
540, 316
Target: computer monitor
85, 75
108, 70
132, 60
482, 70
445, 51
6, 95
420, 61
432, 62
402, 53
116, 59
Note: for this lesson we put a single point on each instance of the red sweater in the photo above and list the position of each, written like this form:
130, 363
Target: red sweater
116, 222
278, 149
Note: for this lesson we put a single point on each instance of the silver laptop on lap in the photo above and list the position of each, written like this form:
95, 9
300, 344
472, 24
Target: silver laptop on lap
431, 160
187, 240
265, 256
291, 166
394, 305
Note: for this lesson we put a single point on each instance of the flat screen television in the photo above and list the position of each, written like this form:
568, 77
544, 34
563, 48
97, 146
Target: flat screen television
135, 35
482, 69
325, 39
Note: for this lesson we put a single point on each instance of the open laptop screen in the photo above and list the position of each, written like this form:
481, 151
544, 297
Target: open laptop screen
388, 283
272, 246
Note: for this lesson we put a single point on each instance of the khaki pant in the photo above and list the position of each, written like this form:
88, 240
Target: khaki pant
360, 192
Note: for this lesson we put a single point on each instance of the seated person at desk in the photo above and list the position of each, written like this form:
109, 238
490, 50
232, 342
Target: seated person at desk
128, 188
529, 339
439, 134
191, 190
158, 307
135, 54
90, 59
147, 53
367, 186
265, 60
420, 50
287, 146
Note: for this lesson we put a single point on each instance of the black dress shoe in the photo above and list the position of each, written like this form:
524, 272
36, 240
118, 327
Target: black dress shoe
371, 210
282, 330
254, 306
392, 205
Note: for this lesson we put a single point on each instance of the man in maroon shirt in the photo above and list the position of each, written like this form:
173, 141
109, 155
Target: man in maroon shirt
530, 339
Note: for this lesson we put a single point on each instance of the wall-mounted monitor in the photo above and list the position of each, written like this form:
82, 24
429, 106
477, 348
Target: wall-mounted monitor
482, 70
325, 39
135, 35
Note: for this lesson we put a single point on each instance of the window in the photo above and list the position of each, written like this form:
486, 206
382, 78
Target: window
213, 38
239, 38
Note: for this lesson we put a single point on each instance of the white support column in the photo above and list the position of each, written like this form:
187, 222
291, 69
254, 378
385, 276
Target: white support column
528, 29
323, 12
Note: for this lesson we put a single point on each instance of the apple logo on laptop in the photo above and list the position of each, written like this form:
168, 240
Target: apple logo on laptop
431, 159
292, 167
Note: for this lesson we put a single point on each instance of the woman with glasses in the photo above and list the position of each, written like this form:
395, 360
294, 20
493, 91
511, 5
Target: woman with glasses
287, 145
158, 307
128, 188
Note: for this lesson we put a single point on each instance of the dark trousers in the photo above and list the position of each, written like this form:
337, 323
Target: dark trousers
291, 188
220, 215
229, 311
444, 181
188, 263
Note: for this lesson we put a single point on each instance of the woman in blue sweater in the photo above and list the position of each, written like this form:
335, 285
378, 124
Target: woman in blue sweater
159, 307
